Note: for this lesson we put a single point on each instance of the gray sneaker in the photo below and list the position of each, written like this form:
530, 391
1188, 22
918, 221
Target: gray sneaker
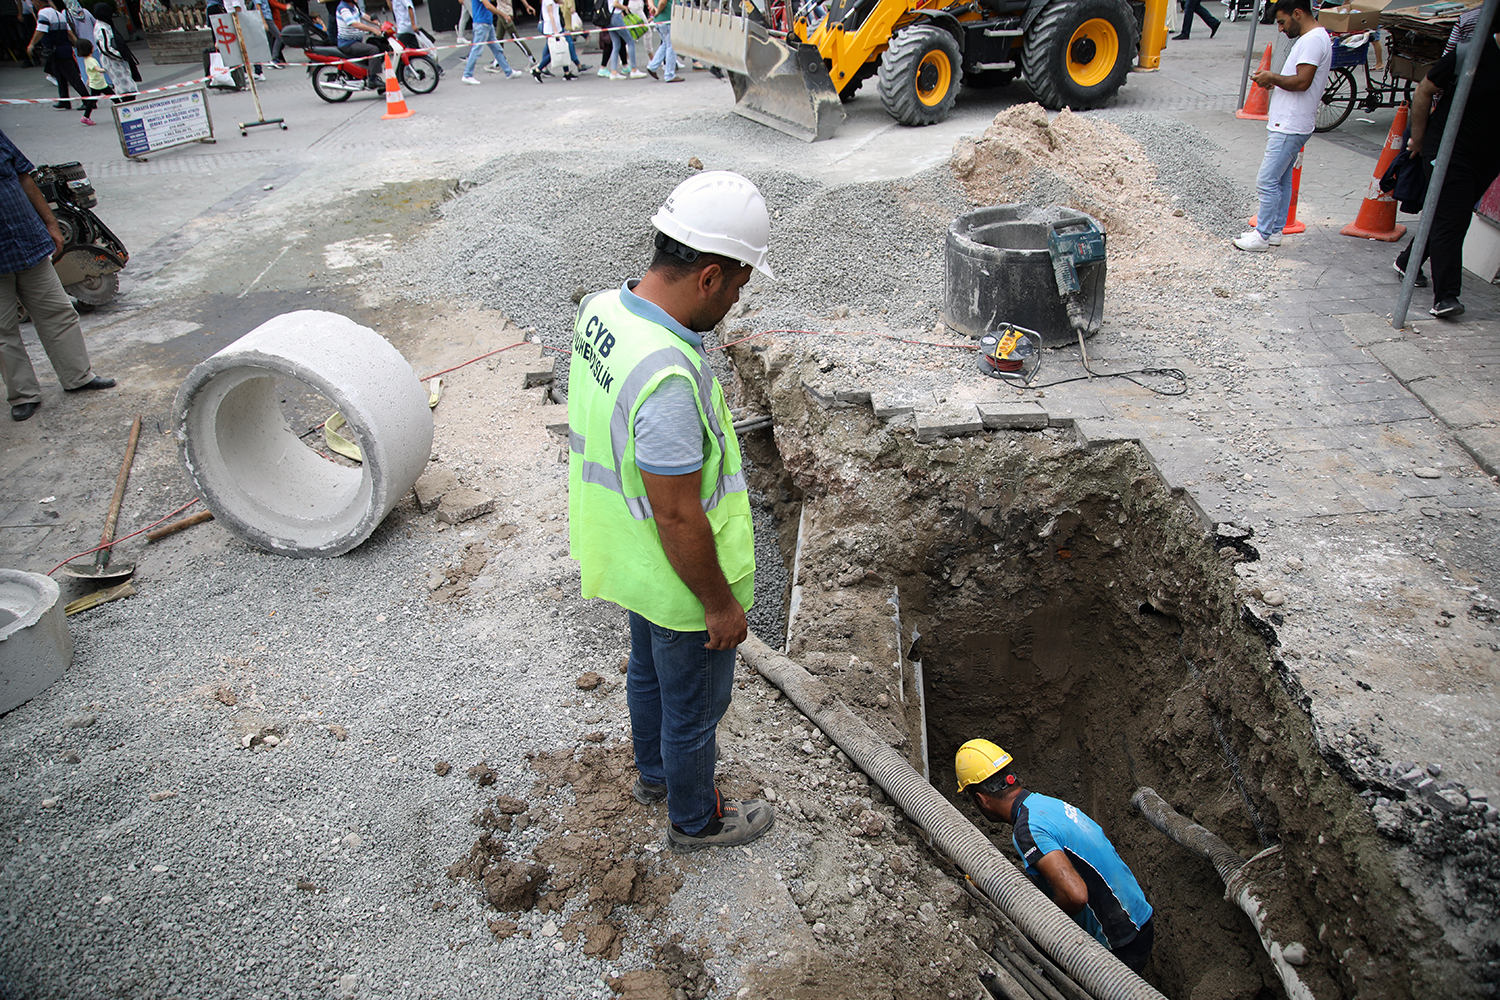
648, 794
738, 823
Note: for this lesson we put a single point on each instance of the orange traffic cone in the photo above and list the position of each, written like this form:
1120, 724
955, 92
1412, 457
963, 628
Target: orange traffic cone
1377, 214
1257, 98
1293, 227
395, 104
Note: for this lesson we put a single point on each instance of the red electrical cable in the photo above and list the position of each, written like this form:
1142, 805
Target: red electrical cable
117, 541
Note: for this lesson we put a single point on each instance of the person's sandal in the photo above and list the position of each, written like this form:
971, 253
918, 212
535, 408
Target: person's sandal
737, 823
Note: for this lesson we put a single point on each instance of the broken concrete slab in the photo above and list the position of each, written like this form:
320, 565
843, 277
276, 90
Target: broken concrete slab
897, 404
1366, 328
1012, 414
1406, 361
1484, 444
948, 420
432, 486
464, 504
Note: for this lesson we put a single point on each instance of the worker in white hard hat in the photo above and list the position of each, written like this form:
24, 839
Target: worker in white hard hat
1065, 852
658, 511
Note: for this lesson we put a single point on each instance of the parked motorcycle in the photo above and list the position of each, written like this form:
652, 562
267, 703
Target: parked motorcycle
335, 76
92, 255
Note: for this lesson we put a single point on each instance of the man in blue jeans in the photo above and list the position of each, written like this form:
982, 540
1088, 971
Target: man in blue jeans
484, 35
665, 58
658, 507
1295, 93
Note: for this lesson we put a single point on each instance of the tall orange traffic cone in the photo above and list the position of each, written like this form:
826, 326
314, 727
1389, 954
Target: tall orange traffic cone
395, 104
1377, 214
1257, 98
1293, 227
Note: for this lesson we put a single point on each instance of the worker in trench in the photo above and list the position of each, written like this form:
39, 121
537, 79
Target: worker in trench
658, 508
1066, 854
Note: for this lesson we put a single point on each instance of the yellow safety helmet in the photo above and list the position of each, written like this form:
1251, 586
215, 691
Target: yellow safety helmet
977, 760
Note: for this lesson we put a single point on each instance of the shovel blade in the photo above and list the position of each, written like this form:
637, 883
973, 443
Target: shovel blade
782, 84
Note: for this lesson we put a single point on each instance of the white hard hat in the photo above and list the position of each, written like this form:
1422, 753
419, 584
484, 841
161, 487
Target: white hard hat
719, 211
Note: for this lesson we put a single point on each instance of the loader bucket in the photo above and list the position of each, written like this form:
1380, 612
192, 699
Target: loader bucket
783, 84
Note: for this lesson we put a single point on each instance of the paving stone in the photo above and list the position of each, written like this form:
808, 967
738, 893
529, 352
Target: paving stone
1065, 409
859, 397
889, 404
1015, 414
1453, 403
464, 504
432, 486
1367, 328
1483, 443
948, 420
1406, 360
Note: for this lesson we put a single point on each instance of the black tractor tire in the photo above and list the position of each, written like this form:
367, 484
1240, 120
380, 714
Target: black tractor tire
1077, 53
861, 75
919, 75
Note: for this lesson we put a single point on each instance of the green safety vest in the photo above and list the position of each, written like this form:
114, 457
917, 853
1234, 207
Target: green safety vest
618, 360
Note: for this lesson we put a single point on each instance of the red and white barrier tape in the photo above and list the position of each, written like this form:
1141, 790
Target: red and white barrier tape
101, 98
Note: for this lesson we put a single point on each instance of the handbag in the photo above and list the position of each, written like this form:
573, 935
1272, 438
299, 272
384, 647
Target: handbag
637, 26
557, 47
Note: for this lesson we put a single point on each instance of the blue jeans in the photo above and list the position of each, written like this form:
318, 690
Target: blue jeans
1274, 182
666, 56
677, 691
622, 36
484, 34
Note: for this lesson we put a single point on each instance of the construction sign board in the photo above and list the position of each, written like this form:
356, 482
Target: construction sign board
252, 28
153, 124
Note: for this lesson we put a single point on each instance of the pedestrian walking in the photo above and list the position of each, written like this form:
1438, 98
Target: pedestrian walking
623, 44
94, 76
665, 58
56, 37
114, 53
1295, 93
31, 236
553, 27
1196, 7
658, 508
484, 36
1471, 170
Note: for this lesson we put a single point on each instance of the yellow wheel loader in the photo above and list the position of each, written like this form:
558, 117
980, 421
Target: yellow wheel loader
1072, 53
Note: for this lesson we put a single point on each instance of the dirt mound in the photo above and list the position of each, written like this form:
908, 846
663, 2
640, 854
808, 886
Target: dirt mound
1091, 165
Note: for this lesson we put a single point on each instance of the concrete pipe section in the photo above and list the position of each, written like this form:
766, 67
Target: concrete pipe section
35, 644
255, 474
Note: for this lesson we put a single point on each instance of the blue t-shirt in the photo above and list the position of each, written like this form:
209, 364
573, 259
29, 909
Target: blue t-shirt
1117, 908
482, 14
24, 240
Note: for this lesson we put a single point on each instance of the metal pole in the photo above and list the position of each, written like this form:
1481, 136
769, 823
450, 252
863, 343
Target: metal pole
1249, 51
1459, 98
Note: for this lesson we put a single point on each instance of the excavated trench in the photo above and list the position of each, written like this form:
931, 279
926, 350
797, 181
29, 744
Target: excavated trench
1061, 602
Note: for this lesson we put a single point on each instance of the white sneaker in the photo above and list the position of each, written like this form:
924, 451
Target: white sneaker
259, 76
513, 74
470, 80
1252, 241
618, 76
1275, 240
495, 68
636, 74
460, 39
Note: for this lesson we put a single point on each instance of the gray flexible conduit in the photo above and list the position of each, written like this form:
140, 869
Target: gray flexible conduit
1087, 961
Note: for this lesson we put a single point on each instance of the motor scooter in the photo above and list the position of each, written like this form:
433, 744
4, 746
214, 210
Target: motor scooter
335, 76
91, 254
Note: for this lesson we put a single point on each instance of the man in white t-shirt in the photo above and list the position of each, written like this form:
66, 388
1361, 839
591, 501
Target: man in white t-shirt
1295, 93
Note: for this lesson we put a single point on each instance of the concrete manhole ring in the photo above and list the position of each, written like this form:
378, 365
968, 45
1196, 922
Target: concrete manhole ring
255, 474
35, 644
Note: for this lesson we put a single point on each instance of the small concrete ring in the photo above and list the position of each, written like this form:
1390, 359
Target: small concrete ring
260, 480
35, 644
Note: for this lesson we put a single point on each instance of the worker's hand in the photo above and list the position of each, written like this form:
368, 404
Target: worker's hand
55, 231
1414, 146
727, 627
1262, 78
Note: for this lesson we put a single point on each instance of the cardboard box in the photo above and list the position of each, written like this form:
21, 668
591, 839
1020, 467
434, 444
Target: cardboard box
1348, 18
1406, 68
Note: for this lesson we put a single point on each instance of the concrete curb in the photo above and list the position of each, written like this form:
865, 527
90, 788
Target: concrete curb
35, 644
258, 478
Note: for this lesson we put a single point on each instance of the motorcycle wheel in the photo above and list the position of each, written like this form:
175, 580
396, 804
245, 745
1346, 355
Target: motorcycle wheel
96, 289
419, 74
329, 84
